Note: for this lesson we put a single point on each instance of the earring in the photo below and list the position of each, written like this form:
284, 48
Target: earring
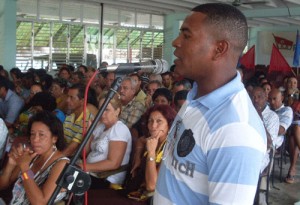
54, 147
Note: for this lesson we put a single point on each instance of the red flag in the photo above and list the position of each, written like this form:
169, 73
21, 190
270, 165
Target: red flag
278, 62
283, 43
248, 59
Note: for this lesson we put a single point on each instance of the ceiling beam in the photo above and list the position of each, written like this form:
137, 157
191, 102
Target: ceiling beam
271, 21
161, 4
133, 6
274, 12
293, 1
179, 3
287, 20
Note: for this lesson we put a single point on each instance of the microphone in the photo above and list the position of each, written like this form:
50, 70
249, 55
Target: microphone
156, 66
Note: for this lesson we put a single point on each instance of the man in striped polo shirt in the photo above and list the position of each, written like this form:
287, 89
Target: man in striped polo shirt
74, 122
217, 142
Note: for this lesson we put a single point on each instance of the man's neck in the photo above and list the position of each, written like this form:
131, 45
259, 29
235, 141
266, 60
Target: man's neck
78, 112
124, 103
208, 85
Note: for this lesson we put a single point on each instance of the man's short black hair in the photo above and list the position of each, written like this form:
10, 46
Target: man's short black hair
227, 21
81, 89
4, 82
163, 92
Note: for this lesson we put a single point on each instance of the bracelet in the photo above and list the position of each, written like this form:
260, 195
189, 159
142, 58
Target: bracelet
27, 175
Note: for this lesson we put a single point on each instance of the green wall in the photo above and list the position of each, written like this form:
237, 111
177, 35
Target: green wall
8, 33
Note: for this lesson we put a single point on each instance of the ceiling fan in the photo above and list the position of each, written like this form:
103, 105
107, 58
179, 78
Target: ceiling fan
241, 2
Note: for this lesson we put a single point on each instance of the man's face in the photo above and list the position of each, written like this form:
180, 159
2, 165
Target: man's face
73, 101
177, 88
64, 74
109, 79
275, 100
2, 92
126, 92
75, 79
292, 83
194, 48
259, 99
81, 69
166, 80
138, 82
151, 88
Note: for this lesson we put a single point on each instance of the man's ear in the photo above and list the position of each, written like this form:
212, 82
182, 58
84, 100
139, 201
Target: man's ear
221, 49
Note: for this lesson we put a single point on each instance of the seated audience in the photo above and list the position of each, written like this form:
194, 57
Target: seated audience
35, 168
285, 114
267, 87
132, 109
16, 75
10, 103
109, 147
294, 143
148, 155
73, 125
179, 99
65, 73
181, 85
34, 89
150, 89
58, 89
109, 78
41, 101
46, 81
291, 91
139, 93
83, 69
162, 96
3, 137
271, 124
154, 76
167, 80
77, 77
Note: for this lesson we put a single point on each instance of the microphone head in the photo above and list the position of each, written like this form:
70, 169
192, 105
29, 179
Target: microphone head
162, 66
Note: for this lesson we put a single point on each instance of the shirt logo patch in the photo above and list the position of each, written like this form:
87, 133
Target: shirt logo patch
186, 143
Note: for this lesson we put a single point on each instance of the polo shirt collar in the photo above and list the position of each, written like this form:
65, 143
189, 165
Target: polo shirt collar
8, 94
216, 97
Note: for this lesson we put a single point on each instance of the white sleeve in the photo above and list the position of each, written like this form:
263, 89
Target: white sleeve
120, 132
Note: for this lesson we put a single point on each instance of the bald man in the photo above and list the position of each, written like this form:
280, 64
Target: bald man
285, 114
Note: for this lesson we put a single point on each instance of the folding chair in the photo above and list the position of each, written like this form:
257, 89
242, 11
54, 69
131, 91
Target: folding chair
267, 174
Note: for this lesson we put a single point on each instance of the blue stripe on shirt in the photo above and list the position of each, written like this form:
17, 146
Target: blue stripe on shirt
223, 167
175, 192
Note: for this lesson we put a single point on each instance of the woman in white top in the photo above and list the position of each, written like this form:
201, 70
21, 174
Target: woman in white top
109, 147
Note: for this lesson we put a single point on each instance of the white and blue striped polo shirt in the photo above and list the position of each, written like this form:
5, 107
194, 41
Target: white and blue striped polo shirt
224, 164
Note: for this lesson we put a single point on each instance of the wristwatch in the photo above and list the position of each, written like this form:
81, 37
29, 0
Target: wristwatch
151, 159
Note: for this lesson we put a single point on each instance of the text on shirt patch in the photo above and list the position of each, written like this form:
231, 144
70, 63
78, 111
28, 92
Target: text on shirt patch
186, 168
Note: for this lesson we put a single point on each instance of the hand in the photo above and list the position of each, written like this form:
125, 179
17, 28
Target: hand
136, 164
151, 145
21, 156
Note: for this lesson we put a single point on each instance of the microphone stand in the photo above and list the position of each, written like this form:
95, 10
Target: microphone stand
72, 177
